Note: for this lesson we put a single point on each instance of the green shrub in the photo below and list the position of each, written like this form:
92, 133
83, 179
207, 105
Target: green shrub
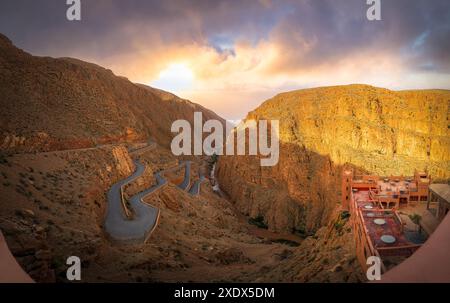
345, 215
258, 221
3, 159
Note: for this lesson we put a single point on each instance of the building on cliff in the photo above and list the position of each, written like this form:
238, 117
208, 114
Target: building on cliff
390, 192
379, 228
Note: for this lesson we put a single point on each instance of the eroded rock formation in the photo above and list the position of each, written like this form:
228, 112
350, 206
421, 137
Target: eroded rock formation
373, 129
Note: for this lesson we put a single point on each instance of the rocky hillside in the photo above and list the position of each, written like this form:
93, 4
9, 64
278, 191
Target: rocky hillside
56, 167
372, 129
55, 201
328, 256
52, 104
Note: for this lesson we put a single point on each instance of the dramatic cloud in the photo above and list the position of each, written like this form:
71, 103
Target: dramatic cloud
231, 55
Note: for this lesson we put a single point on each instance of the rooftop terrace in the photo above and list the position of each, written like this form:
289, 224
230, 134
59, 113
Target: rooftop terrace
380, 222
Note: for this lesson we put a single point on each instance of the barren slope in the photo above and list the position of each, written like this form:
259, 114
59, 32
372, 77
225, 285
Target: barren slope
52, 104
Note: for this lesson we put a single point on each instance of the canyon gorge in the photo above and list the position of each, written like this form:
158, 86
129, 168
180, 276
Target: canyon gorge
67, 132
322, 130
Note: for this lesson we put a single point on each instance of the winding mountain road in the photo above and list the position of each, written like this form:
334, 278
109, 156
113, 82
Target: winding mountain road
145, 217
195, 189
187, 176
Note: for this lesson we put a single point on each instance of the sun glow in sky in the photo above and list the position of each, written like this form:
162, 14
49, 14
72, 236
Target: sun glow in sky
176, 78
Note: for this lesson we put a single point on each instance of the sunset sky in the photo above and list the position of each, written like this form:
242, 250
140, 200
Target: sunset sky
231, 55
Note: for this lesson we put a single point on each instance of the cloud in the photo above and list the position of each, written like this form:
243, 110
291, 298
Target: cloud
241, 52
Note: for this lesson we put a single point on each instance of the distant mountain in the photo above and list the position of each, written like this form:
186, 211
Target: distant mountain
49, 104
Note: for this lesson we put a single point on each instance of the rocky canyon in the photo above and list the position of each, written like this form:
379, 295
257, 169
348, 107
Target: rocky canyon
69, 130
322, 130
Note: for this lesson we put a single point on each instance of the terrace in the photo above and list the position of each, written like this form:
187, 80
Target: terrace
381, 231
394, 191
380, 221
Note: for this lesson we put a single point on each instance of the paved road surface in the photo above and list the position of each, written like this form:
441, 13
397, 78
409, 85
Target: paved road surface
145, 217
117, 225
195, 189
187, 176
140, 150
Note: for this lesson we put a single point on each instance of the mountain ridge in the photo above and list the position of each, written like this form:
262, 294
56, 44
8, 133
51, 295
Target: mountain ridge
62, 103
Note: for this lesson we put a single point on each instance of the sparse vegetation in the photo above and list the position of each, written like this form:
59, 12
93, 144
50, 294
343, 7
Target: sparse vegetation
341, 221
23, 182
300, 231
345, 215
258, 221
3, 158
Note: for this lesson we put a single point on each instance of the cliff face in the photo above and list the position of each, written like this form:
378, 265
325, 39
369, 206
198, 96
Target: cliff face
53, 104
373, 129
297, 195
